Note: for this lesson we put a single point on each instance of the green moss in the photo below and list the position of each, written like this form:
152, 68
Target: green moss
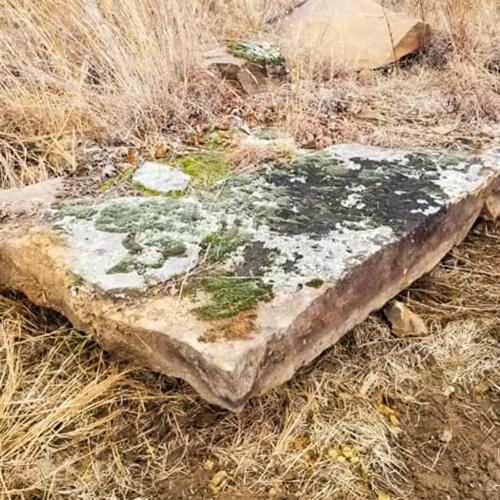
231, 294
164, 248
205, 168
217, 140
218, 246
128, 265
149, 192
77, 279
315, 283
78, 210
336, 170
257, 52
228, 293
125, 217
266, 133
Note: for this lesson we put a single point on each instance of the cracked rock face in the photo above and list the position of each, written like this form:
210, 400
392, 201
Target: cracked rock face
235, 288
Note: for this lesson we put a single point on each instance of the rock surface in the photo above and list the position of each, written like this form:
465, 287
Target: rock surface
255, 67
404, 322
30, 198
356, 34
160, 178
236, 287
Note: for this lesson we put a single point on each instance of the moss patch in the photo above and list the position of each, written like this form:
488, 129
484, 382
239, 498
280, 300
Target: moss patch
119, 178
231, 294
205, 167
266, 133
148, 192
257, 52
78, 210
159, 250
315, 283
218, 246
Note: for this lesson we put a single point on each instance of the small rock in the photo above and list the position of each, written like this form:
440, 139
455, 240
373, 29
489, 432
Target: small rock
448, 391
253, 75
491, 209
276, 493
446, 436
404, 322
366, 75
161, 178
209, 465
493, 63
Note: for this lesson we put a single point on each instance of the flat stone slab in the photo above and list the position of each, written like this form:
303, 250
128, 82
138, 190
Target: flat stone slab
237, 287
161, 178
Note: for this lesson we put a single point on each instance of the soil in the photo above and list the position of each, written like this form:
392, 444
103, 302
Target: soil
466, 467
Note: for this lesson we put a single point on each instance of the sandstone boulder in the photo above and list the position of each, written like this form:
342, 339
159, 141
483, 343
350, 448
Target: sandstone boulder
356, 34
236, 287
252, 66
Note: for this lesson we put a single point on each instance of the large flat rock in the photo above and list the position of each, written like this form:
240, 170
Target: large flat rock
235, 288
356, 34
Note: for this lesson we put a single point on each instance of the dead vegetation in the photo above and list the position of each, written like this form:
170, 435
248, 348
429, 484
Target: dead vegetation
74, 423
80, 73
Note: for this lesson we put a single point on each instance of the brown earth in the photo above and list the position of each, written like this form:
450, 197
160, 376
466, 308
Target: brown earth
465, 467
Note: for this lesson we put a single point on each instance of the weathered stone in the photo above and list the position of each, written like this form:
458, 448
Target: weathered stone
356, 34
404, 322
491, 209
493, 63
255, 67
30, 198
238, 287
160, 178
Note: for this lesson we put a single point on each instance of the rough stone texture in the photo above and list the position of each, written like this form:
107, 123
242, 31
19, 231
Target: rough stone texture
356, 34
160, 178
251, 74
30, 198
404, 322
237, 288
491, 209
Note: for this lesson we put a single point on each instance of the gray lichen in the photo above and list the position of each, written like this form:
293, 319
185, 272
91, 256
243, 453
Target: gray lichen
291, 224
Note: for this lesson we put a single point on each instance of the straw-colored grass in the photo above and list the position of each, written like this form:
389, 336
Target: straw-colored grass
80, 72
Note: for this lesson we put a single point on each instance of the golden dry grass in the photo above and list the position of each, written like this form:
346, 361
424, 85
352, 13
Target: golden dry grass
80, 72
75, 423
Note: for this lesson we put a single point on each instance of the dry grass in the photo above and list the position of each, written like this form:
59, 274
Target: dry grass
128, 72
74, 423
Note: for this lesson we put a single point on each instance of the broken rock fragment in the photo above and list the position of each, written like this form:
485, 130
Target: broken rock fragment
356, 34
404, 322
236, 288
253, 66
160, 178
